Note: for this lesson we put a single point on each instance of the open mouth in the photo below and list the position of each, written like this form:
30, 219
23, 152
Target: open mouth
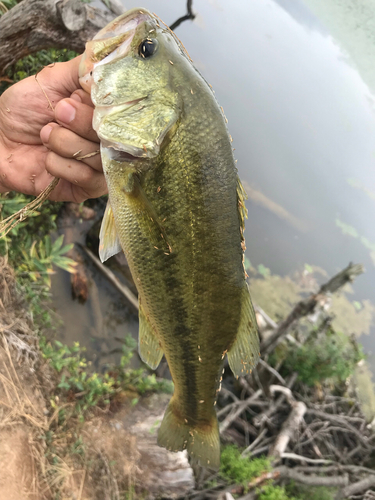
109, 44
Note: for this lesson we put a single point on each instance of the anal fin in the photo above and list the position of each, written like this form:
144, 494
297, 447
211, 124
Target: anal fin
149, 348
244, 353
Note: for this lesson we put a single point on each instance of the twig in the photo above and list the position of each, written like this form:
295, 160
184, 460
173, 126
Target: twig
126, 292
13, 220
256, 441
190, 15
44, 92
274, 406
293, 456
272, 370
332, 481
307, 306
240, 407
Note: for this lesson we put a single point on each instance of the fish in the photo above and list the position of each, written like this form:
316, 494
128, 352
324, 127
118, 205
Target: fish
176, 208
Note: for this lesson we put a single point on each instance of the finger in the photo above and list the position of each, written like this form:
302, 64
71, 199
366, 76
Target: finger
85, 180
76, 117
62, 76
66, 143
82, 96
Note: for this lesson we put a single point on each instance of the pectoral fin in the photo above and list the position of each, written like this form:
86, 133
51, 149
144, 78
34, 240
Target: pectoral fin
150, 220
109, 242
149, 348
244, 353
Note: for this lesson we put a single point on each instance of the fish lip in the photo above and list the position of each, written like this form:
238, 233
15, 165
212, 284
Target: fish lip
128, 22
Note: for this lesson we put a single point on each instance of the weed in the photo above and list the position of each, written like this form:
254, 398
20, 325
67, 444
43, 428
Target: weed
331, 356
270, 492
302, 492
86, 389
240, 470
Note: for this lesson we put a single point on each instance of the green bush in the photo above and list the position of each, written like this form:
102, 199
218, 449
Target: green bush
240, 470
270, 492
329, 357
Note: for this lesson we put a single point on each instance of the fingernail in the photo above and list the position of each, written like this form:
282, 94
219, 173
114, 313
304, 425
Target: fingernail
45, 133
76, 97
65, 112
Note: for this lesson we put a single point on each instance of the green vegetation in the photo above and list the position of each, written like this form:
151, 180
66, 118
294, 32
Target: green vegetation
87, 389
32, 64
301, 492
331, 357
270, 492
236, 469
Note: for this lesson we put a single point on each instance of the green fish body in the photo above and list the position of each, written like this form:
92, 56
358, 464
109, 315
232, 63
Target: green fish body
176, 208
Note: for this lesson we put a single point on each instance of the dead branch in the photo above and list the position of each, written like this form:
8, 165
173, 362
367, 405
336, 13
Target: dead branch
307, 306
126, 292
190, 15
313, 480
274, 406
358, 487
288, 430
238, 408
34, 25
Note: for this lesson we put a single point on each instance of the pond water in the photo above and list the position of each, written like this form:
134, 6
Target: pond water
301, 111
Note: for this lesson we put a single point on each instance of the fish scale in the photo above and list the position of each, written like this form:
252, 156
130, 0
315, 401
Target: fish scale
176, 208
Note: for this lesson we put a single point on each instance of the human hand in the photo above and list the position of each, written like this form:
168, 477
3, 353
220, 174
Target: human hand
34, 148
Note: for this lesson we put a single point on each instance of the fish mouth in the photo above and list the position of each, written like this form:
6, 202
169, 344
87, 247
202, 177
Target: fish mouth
110, 43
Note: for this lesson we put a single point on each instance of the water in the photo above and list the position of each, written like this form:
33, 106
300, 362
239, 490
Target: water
301, 111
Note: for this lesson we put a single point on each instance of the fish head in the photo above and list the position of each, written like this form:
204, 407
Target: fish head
129, 70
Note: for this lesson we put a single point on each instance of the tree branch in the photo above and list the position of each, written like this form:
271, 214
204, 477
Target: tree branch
307, 306
34, 25
358, 487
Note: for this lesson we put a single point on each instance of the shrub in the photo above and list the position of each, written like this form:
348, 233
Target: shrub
331, 356
240, 470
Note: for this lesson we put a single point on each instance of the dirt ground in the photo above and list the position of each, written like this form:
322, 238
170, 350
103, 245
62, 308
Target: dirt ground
120, 450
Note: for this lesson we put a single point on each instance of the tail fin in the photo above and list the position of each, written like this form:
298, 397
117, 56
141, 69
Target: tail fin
202, 441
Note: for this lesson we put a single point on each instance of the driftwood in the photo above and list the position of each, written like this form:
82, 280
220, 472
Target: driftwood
34, 25
307, 306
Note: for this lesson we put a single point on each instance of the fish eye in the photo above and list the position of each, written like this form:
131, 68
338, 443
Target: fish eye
147, 47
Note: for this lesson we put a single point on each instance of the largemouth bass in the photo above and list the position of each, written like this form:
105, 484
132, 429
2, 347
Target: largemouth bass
176, 208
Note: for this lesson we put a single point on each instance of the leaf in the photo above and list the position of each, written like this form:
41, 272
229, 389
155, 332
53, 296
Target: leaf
57, 244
